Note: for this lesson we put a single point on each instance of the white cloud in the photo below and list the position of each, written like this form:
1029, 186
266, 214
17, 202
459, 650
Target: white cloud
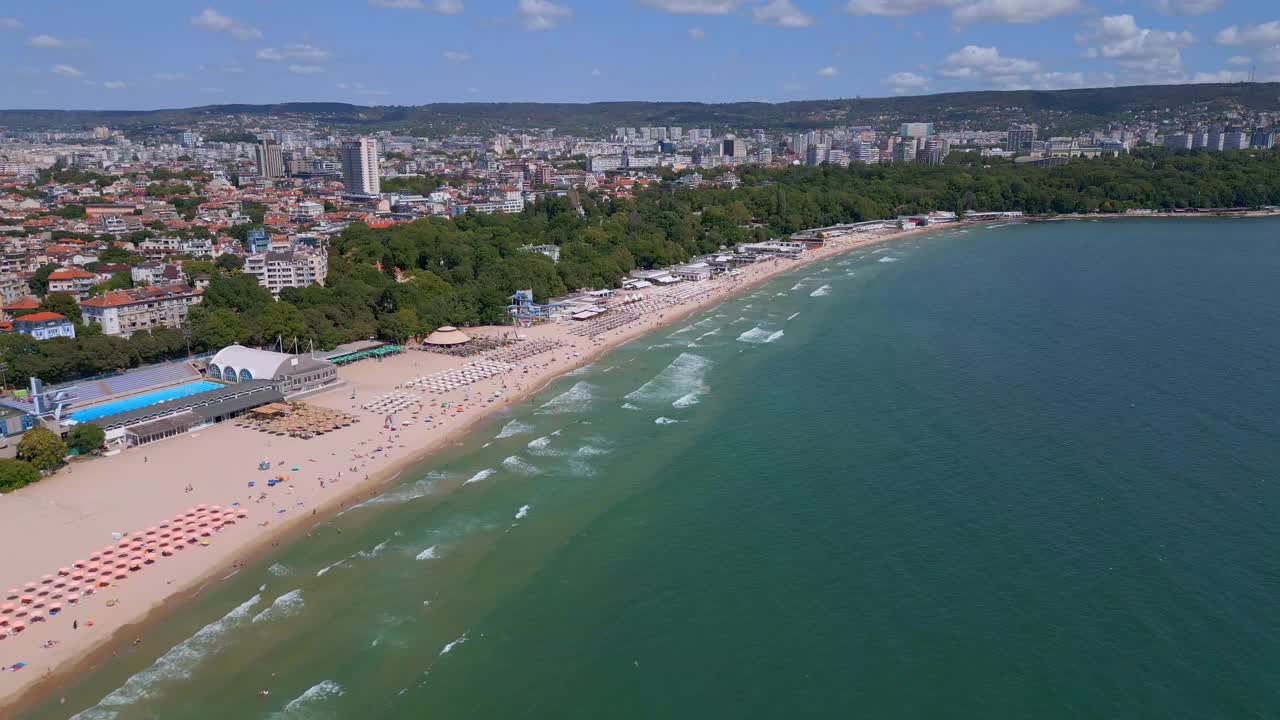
904, 82
986, 63
697, 33
114, 85
1239, 60
694, 7
8, 23
214, 21
542, 14
305, 69
1144, 54
595, 72
1013, 11
781, 13
169, 76
828, 72
441, 7
1271, 55
1187, 7
1222, 76
1267, 33
456, 56
66, 71
301, 52
46, 42
965, 11
1058, 80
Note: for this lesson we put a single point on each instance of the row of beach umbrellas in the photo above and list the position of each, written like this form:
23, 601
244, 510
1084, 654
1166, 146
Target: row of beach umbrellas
455, 378
130, 554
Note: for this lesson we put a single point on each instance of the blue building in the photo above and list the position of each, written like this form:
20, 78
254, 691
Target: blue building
257, 241
45, 326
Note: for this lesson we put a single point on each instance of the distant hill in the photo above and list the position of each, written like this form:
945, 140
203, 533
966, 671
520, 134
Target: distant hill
1058, 110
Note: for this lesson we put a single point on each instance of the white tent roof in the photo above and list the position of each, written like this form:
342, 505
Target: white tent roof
261, 364
447, 335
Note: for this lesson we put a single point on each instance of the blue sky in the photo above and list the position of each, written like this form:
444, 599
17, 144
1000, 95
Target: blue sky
144, 54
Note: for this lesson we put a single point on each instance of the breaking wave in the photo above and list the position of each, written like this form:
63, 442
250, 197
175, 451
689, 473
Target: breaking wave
279, 570
792, 316
523, 511
176, 664
515, 427
428, 554
327, 568
629, 406
479, 476
314, 695
759, 336
575, 399
404, 493
683, 381
451, 645
887, 259
519, 465
665, 421
821, 292
286, 605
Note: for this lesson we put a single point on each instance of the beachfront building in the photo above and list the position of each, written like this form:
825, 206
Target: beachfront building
291, 374
125, 312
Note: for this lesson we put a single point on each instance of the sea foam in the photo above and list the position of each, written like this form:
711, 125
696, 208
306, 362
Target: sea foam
523, 512
887, 259
306, 704
428, 554
821, 292
479, 476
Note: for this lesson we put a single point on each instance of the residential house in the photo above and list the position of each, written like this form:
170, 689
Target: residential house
45, 326
125, 312
72, 281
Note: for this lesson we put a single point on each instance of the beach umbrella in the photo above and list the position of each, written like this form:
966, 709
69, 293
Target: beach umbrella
19, 627
202, 508
150, 558
166, 552
151, 530
26, 599
73, 599
77, 575
59, 583
64, 571
46, 579
37, 618
121, 575
73, 590
95, 556
13, 593
93, 568
79, 563
38, 603
55, 608
8, 608
56, 596
107, 551
218, 508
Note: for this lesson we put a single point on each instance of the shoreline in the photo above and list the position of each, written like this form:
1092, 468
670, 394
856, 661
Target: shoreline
87, 653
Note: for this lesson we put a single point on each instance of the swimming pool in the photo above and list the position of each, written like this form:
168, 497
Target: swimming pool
138, 401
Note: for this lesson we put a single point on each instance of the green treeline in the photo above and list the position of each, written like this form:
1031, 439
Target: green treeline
406, 280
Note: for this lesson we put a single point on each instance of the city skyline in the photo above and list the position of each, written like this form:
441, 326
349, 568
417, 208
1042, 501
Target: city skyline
384, 52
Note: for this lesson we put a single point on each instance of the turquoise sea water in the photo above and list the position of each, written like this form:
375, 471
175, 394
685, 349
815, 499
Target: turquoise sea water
1021, 471
139, 401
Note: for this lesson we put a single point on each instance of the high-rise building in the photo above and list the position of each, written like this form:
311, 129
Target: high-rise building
734, 147
815, 154
1200, 138
1216, 139
360, 166
905, 151
1020, 138
766, 156
916, 130
1263, 138
935, 150
1235, 139
270, 159
1178, 141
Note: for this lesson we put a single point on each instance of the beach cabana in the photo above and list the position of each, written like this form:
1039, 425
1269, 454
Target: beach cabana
447, 336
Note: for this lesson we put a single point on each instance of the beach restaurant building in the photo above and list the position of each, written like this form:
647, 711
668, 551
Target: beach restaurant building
291, 374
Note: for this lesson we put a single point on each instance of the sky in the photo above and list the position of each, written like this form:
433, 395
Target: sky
146, 54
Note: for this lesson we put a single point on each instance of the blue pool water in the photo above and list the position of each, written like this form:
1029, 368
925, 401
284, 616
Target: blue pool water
143, 400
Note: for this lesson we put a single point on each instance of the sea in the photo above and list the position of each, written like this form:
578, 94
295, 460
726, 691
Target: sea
1026, 470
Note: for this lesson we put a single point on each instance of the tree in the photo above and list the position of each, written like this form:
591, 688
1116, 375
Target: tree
63, 304
86, 438
15, 474
280, 322
42, 448
216, 328
39, 282
228, 262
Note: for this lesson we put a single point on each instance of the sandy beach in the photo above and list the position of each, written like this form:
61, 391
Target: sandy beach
66, 518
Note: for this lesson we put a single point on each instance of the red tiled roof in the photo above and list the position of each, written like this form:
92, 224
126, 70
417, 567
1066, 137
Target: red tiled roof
70, 274
40, 317
26, 303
